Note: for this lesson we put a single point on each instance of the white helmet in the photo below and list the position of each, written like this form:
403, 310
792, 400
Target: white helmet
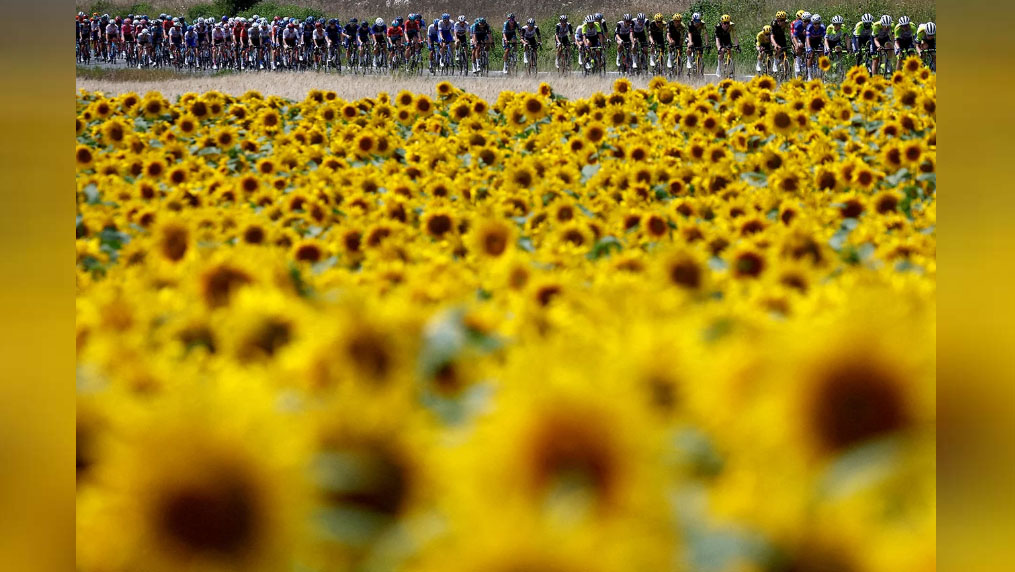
886, 20
837, 19
816, 18
904, 21
931, 28
461, 17
806, 16
379, 21
867, 19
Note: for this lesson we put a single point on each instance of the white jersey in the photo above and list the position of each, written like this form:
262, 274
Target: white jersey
461, 28
529, 32
639, 26
111, 29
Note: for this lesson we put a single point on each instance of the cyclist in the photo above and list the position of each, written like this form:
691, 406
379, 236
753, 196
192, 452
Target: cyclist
638, 33
863, 37
176, 40
363, 41
656, 37
815, 42
725, 37
395, 33
764, 44
562, 33
290, 38
379, 33
509, 36
882, 35
333, 33
676, 34
127, 36
158, 37
780, 39
446, 29
144, 43
834, 34
531, 37
926, 37
433, 39
905, 32
624, 36
191, 39
799, 39
482, 38
461, 35
412, 27
591, 37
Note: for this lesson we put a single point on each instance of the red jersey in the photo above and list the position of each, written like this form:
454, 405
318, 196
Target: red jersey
395, 31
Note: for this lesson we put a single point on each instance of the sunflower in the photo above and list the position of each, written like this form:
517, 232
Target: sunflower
864, 177
444, 89
174, 240
187, 124
84, 157
225, 138
193, 492
439, 223
779, 119
114, 132
534, 107
492, 238
824, 64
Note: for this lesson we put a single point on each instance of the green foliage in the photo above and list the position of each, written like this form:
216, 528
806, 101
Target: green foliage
269, 10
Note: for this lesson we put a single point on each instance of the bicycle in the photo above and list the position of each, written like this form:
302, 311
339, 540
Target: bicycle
656, 60
813, 69
727, 65
640, 58
886, 61
836, 71
675, 63
532, 55
395, 56
929, 57
624, 51
767, 62
462, 57
563, 62
863, 58
511, 57
696, 62
484, 60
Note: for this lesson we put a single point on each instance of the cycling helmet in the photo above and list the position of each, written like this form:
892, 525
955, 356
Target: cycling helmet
696, 17
781, 15
317, 25
81, 14
511, 16
290, 25
446, 16
127, 21
353, 21
767, 30
886, 20
867, 19
658, 17
379, 22
364, 24
332, 22
677, 17
598, 17
807, 16
904, 21
130, 16
531, 21
800, 14
563, 18
641, 15
482, 20
399, 21
105, 16
627, 17
461, 17
931, 28
725, 19
836, 19
816, 18
589, 19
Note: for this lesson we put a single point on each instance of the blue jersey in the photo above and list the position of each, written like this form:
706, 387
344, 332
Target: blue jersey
432, 34
816, 32
799, 29
480, 30
381, 30
446, 29
510, 30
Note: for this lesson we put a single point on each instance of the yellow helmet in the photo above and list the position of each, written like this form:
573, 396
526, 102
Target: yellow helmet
767, 30
799, 14
781, 15
658, 17
678, 17
725, 19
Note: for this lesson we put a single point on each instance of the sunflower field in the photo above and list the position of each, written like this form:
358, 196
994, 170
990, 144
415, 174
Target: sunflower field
669, 328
